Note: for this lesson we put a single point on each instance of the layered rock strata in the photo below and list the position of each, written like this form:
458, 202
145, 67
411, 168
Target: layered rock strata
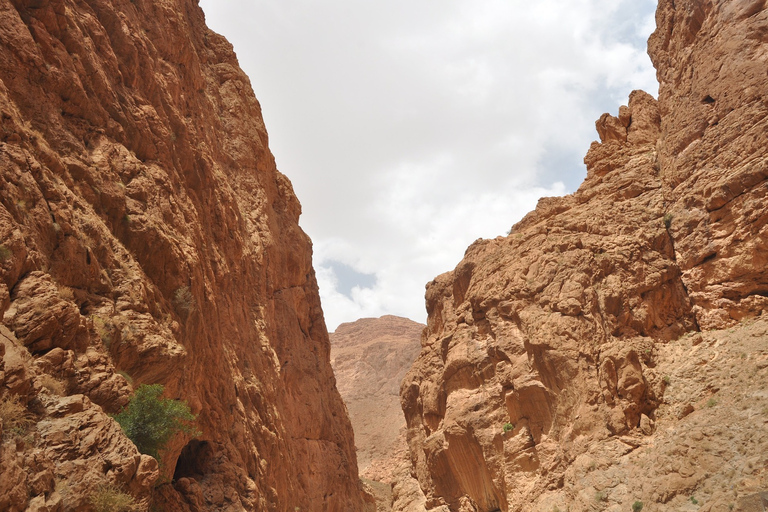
542, 345
146, 236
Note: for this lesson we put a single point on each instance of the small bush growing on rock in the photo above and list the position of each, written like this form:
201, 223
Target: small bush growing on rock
126, 376
5, 253
694, 500
600, 496
667, 220
637, 506
184, 301
151, 421
13, 415
103, 328
508, 427
110, 498
53, 385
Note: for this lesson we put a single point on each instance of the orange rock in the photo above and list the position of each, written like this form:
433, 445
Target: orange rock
370, 357
144, 228
554, 328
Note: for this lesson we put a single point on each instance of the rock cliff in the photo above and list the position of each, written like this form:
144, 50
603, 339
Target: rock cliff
370, 357
544, 345
146, 236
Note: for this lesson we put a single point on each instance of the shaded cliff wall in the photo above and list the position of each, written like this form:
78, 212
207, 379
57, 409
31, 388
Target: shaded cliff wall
146, 230
542, 343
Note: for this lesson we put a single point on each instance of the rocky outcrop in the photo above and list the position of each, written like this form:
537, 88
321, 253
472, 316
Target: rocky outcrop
147, 237
713, 156
541, 346
706, 449
370, 357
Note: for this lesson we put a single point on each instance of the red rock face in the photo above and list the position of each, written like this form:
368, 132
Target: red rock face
541, 344
144, 228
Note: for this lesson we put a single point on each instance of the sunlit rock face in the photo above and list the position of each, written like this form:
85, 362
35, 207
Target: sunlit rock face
543, 345
144, 229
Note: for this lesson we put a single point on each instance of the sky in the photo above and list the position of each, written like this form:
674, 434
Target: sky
409, 129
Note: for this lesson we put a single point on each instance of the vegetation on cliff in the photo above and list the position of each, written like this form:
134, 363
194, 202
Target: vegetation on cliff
150, 421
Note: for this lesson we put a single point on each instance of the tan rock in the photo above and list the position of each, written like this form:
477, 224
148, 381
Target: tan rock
557, 329
370, 357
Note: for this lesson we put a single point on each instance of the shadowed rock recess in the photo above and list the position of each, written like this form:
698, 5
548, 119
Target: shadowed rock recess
147, 237
541, 347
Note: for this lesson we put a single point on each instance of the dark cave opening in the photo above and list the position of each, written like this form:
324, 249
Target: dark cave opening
194, 460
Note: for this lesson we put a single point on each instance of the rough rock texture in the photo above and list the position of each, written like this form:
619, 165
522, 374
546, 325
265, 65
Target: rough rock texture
711, 61
72, 448
708, 447
541, 347
144, 228
370, 357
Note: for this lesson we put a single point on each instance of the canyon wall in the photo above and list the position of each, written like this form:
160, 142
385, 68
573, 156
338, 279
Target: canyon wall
146, 236
544, 344
370, 357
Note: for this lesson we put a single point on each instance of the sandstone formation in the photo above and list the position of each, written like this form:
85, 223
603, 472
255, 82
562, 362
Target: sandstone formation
708, 447
147, 237
543, 347
370, 358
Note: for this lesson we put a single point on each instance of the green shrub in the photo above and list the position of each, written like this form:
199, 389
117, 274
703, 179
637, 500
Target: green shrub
637, 506
5, 253
667, 220
508, 427
110, 498
151, 421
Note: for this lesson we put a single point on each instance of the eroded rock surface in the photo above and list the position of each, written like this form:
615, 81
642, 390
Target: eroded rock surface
541, 346
370, 357
144, 229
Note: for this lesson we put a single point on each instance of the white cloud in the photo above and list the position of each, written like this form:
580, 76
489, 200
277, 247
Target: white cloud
409, 129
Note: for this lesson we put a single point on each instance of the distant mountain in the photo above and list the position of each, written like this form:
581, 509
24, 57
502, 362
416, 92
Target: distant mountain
370, 357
